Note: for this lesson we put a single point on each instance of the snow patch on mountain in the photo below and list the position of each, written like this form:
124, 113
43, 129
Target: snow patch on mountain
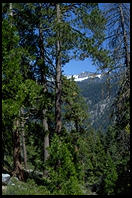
84, 76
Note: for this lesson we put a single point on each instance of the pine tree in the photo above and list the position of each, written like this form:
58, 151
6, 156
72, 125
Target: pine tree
11, 80
118, 22
74, 106
58, 73
51, 38
18, 92
79, 41
43, 81
36, 54
23, 142
62, 172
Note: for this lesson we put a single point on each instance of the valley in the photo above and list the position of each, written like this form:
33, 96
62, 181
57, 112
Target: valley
99, 96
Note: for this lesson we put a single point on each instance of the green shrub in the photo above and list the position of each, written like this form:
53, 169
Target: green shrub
62, 172
110, 176
28, 188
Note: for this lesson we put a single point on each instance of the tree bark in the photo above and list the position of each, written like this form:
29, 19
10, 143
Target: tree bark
18, 171
58, 75
16, 152
127, 54
46, 141
124, 36
23, 139
10, 8
44, 111
24, 149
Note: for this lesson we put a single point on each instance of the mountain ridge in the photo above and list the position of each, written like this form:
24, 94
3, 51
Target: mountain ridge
84, 76
99, 97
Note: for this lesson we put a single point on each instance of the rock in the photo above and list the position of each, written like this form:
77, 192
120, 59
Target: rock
4, 188
12, 180
5, 178
28, 170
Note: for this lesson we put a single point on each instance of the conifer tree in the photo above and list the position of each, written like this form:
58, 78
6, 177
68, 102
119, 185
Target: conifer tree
118, 16
118, 22
37, 54
75, 108
32, 79
18, 92
58, 73
78, 41
11, 80
44, 83
23, 139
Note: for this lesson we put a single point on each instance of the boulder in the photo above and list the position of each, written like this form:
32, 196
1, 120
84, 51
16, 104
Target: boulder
4, 188
5, 178
12, 180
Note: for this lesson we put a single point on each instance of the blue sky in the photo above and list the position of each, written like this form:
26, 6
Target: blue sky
77, 66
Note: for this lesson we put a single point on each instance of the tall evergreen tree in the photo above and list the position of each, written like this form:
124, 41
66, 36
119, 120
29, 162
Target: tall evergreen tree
118, 22
53, 33
74, 106
37, 62
118, 17
44, 83
58, 73
16, 89
11, 78
23, 141
85, 45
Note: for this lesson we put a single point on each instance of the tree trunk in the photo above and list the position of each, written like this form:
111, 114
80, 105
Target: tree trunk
23, 139
46, 140
127, 54
24, 149
16, 152
10, 12
44, 111
10, 8
18, 171
124, 36
58, 76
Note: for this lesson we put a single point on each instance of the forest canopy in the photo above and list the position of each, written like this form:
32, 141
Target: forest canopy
48, 144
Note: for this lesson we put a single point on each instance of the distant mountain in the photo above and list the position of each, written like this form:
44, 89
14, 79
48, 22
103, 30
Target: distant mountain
99, 97
84, 76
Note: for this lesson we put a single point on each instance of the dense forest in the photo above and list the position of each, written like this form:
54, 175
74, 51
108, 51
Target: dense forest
49, 146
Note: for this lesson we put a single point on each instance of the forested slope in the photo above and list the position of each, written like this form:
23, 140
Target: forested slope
100, 96
49, 146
